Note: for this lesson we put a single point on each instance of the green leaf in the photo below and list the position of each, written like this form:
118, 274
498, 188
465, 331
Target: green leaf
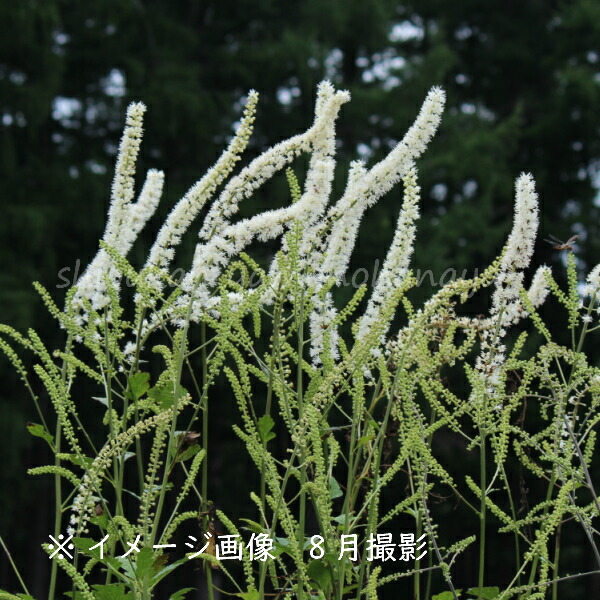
488, 593
84, 461
144, 564
446, 596
249, 595
363, 440
341, 519
281, 546
84, 544
265, 425
101, 521
126, 566
253, 526
319, 572
166, 570
139, 384
188, 453
112, 591
335, 491
38, 430
180, 594
163, 395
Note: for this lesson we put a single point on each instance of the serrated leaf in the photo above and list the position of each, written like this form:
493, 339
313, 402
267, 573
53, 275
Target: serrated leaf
127, 566
83, 461
180, 594
166, 570
84, 544
265, 425
488, 593
163, 395
188, 453
253, 526
250, 595
363, 440
38, 430
320, 574
111, 591
139, 384
446, 596
335, 491
100, 521
144, 564
341, 519
281, 546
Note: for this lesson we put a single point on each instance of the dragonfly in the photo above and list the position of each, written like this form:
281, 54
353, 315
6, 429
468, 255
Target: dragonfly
560, 245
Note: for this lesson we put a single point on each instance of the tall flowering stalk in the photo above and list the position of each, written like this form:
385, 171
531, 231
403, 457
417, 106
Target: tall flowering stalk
363, 189
125, 219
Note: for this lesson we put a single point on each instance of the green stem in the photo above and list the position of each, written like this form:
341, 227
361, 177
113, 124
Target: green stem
12, 564
204, 489
514, 517
482, 515
555, 567
263, 484
57, 482
299, 383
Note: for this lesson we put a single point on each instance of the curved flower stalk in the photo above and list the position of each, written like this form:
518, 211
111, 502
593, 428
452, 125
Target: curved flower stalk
210, 258
506, 306
274, 159
125, 220
363, 189
187, 209
366, 187
319, 180
395, 267
225, 241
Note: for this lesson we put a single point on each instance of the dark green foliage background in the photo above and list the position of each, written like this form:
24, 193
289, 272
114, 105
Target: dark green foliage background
523, 84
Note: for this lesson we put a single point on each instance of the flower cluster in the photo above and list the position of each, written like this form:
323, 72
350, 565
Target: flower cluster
125, 219
506, 307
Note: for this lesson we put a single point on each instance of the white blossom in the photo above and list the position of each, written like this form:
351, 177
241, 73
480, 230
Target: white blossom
186, 210
363, 189
396, 264
593, 279
366, 187
538, 291
225, 241
125, 220
506, 305
519, 249
271, 161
